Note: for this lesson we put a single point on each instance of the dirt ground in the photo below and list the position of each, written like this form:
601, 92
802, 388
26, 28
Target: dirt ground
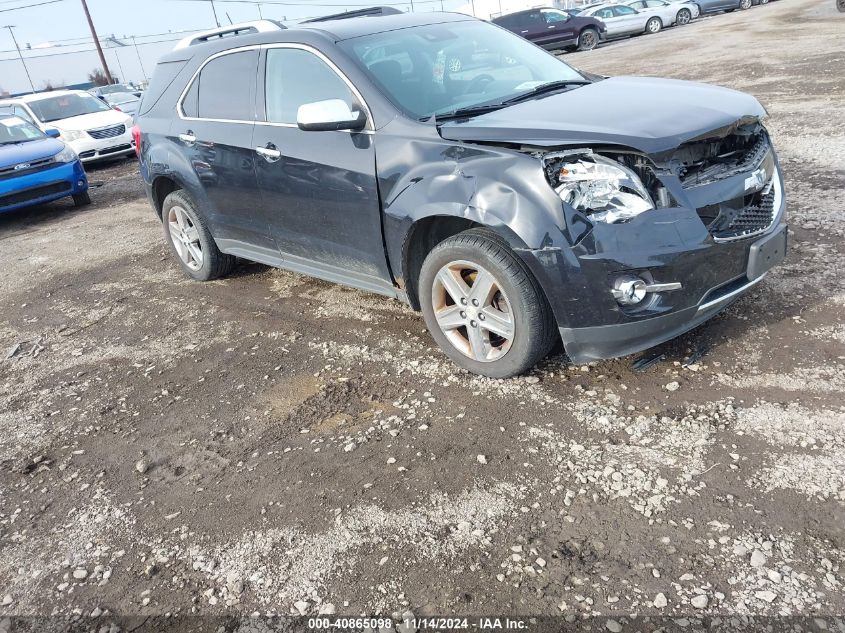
272, 444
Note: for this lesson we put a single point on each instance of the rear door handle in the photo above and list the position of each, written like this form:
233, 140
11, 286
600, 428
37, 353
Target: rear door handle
269, 153
188, 138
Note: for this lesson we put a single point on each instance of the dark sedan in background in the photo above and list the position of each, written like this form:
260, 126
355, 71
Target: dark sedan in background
555, 29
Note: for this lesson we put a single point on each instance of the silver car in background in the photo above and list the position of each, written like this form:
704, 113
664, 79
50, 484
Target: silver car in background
668, 12
622, 20
123, 102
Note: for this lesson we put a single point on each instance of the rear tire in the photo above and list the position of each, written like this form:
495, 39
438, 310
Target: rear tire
745, 4
81, 199
500, 327
655, 25
684, 17
190, 240
588, 39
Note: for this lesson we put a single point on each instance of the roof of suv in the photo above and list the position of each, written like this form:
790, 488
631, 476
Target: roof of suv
336, 29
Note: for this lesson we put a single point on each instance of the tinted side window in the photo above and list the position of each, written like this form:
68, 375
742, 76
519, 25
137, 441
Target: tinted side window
226, 87
620, 10
295, 77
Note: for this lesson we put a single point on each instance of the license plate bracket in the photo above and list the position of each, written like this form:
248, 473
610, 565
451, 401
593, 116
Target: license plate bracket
766, 253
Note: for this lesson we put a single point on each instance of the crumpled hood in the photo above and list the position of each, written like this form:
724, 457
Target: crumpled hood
28, 151
647, 114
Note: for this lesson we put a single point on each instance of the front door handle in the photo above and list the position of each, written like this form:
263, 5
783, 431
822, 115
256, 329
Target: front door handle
188, 138
269, 153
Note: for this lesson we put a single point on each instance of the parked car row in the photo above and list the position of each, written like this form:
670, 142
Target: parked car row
92, 128
585, 28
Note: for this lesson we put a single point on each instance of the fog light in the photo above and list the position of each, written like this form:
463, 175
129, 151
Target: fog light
629, 290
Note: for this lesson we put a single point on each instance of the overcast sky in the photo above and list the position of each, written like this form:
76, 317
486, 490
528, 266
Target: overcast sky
58, 47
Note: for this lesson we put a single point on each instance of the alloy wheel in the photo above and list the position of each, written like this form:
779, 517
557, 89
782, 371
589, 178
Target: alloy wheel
473, 311
683, 17
745, 4
588, 41
653, 25
185, 237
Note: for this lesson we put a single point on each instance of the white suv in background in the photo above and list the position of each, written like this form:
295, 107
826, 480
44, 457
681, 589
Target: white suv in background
93, 129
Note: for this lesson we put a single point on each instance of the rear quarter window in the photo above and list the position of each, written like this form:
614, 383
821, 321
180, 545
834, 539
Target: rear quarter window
224, 88
163, 76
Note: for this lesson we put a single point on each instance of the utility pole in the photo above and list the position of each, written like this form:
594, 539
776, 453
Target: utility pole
214, 11
26, 70
97, 43
139, 59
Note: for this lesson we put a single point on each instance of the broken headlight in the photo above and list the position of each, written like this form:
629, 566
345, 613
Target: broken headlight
601, 188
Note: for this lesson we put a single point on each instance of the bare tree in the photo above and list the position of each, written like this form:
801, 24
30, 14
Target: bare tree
98, 77
3, 92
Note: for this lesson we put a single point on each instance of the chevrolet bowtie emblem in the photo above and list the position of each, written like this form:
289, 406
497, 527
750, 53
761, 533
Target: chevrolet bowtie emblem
756, 181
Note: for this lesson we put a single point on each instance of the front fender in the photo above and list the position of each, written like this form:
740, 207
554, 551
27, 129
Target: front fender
495, 187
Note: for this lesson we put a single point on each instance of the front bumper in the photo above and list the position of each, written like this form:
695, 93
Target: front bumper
91, 149
28, 190
662, 246
611, 341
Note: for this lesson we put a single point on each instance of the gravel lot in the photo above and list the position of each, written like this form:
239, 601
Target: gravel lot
273, 444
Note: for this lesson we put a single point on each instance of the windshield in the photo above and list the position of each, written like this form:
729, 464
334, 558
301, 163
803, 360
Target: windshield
15, 130
66, 106
120, 97
440, 68
114, 88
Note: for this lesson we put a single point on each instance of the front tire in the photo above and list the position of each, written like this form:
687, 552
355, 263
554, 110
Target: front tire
588, 40
654, 25
191, 241
745, 4
684, 17
483, 306
81, 199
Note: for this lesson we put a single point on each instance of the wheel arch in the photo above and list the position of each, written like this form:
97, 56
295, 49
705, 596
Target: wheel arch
427, 232
163, 186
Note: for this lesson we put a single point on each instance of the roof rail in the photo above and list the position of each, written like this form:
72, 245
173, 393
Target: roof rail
357, 13
242, 28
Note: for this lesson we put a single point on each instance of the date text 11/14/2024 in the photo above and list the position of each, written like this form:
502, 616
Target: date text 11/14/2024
418, 624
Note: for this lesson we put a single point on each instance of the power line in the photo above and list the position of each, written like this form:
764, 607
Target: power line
29, 6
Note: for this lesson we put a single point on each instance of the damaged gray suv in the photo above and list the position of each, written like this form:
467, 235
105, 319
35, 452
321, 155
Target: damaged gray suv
512, 199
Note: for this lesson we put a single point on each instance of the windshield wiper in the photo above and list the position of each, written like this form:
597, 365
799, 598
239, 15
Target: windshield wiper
550, 86
469, 111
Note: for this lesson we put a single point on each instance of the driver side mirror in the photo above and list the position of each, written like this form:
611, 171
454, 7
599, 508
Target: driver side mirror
52, 132
331, 114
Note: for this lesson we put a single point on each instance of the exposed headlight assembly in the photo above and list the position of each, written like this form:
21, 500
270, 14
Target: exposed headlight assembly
601, 188
67, 155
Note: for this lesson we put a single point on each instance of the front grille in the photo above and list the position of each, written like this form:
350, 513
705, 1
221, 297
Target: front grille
108, 132
728, 159
34, 193
752, 219
34, 167
742, 217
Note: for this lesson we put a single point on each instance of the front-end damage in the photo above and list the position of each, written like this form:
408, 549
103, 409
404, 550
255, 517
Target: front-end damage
659, 243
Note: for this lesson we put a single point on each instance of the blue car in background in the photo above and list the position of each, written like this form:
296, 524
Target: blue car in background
36, 167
